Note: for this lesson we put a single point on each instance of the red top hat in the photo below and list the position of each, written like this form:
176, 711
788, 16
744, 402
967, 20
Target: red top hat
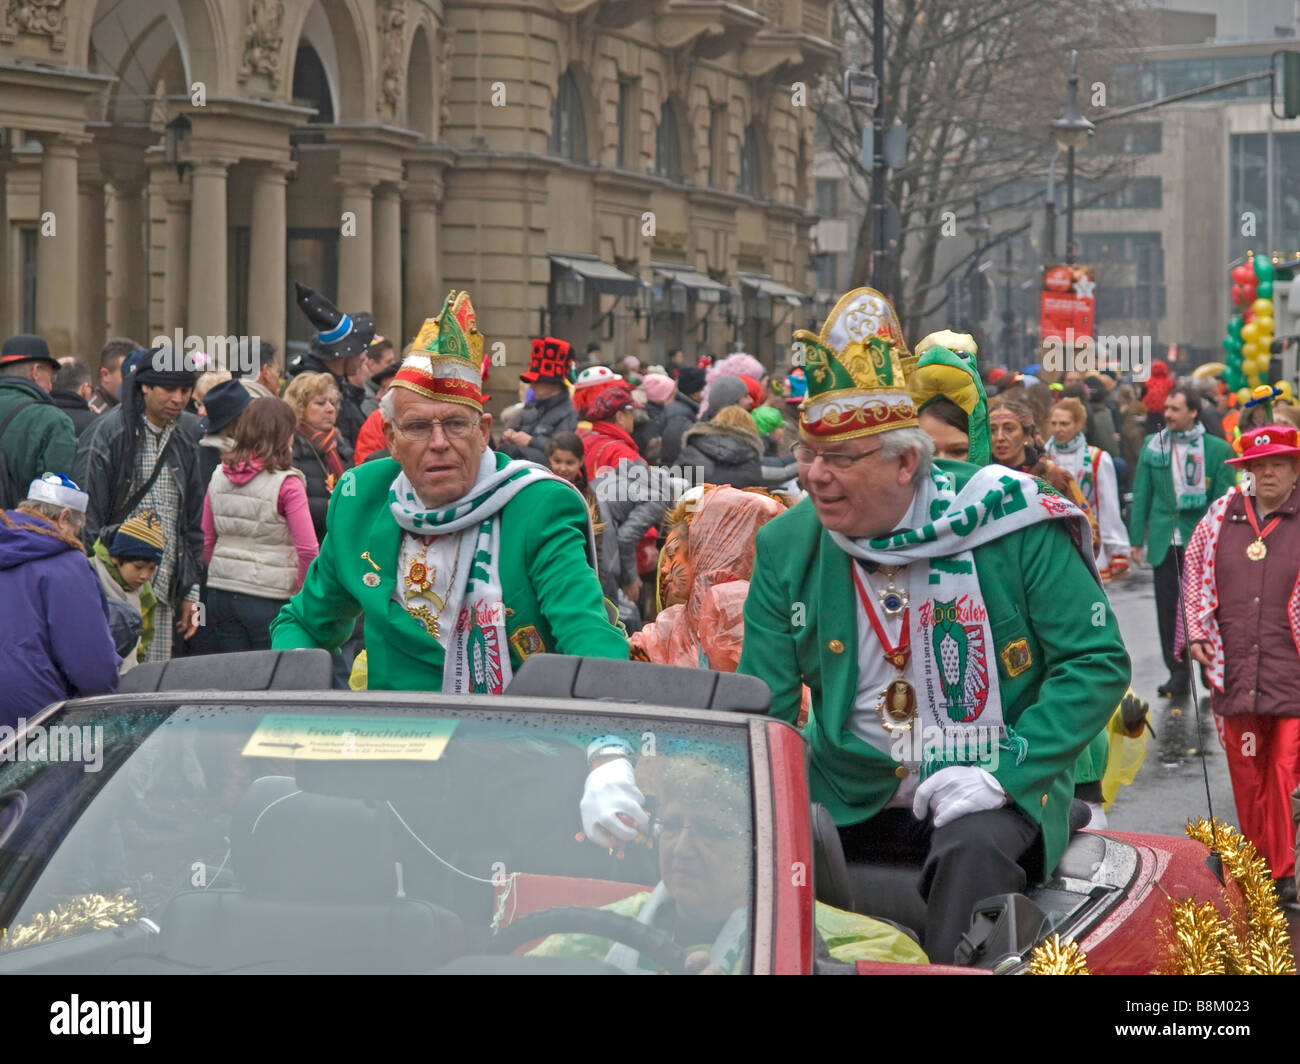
551, 362
1265, 441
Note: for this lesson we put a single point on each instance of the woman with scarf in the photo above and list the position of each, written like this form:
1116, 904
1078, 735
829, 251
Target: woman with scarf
319, 450
1094, 471
1014, 437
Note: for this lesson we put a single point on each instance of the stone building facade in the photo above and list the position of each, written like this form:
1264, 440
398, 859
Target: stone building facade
629, 173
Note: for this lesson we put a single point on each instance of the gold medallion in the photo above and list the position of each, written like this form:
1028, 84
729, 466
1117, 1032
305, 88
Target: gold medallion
897, 706
1256, 551
417, 576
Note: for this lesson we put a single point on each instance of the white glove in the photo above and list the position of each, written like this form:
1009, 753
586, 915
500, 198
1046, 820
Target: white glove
611, 790
953, 792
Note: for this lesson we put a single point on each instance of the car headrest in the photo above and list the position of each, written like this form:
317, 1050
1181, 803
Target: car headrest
249, 670
831, 882
1079, 816
290, 844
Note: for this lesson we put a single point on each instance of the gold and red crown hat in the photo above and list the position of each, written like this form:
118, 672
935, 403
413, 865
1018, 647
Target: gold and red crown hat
856, 371
446, 359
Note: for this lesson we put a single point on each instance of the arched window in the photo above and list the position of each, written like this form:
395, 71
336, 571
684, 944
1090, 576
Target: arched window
568, 125
310, 84
668, 145
751, 167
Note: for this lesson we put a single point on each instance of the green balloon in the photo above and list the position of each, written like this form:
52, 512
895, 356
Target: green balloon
1234, 326
1264, 290
1263, 268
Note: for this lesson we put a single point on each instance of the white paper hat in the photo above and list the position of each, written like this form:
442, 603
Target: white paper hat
59, 490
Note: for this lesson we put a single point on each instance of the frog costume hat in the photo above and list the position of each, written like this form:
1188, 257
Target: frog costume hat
856, 371
946, 368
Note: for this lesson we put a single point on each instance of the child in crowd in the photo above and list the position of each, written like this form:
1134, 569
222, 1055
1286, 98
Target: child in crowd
126, 567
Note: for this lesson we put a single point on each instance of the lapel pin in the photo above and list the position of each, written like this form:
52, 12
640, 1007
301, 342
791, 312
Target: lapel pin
371, 579
365, 556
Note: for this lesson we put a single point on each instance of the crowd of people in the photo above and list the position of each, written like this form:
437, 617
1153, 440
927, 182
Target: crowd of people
896, 540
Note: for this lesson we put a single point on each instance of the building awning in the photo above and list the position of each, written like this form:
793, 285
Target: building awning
775, 289
600, 276
701, 288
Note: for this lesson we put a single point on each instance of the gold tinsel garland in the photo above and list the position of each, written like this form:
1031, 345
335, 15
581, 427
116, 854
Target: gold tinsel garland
87, 912
1203, 942
1054, 957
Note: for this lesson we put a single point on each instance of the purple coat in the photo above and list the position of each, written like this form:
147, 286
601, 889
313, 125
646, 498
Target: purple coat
53, 621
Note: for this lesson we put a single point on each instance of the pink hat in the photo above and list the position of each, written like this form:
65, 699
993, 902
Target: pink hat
1265, 441
658, 387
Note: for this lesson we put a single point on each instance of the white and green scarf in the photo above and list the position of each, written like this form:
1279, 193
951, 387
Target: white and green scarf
478, 655
1189, 474
1076, 458
954, 661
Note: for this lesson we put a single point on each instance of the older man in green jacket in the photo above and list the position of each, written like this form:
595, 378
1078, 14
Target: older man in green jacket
463, 561
951, 627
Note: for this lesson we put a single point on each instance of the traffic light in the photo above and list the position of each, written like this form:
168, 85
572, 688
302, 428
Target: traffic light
1291, 84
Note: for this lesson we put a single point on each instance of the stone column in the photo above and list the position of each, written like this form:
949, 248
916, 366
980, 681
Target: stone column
356, 248
176, 256
58, 269
388, 263
207, 281
92, 321
423, 267
266, 256
130, 289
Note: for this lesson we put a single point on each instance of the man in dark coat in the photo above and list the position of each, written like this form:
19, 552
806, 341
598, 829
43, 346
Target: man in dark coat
53, 617
337, 350
140, 454
551, 409
35, 435
71, 394
681, 413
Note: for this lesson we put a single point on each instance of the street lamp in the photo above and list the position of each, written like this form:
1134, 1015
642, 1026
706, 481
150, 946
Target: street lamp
1008, 315
1071, 131
978, 228
176, 144
570, 289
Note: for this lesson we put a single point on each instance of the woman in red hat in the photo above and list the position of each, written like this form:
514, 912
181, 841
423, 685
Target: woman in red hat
1241, 588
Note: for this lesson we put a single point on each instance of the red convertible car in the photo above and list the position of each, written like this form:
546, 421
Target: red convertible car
233, 814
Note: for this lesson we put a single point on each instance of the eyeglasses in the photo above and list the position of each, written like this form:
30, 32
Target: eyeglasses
705, 830
453, 428
806, 456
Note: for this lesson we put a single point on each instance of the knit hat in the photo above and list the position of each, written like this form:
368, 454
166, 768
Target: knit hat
339, 335
552, 361
725, 391
139, 538
446, 359
609, 402
796, 386
591, 382
690, 380
767, 419
658, 387
755, 390
856, 371
60, 490
26, 347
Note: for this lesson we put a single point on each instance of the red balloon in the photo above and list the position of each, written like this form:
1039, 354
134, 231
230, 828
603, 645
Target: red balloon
1242, 274
1248, 315
1238, 295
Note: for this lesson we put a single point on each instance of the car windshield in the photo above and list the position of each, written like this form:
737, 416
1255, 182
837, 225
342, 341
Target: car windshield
302, 837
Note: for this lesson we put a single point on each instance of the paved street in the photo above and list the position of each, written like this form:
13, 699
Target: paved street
1170, 787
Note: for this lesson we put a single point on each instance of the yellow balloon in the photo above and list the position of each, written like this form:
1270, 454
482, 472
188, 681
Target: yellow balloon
1285, 386
1249, 351
1249, 332
1265, 325
1261, 307
1243, 394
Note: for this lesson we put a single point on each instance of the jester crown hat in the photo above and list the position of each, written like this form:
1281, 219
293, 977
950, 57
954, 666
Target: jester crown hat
446, 359
856, 371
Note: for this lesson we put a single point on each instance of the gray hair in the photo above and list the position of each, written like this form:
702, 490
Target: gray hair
386, 405
52, 510
896, 442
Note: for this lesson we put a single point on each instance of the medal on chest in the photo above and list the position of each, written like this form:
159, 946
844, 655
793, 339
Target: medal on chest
896, 706
419, 578
1257, 551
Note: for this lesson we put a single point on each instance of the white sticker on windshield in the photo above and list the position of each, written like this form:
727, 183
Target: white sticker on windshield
328, 738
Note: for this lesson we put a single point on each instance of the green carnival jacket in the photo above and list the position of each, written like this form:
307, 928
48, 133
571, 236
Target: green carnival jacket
1040, 596
552, 595
1151, 519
